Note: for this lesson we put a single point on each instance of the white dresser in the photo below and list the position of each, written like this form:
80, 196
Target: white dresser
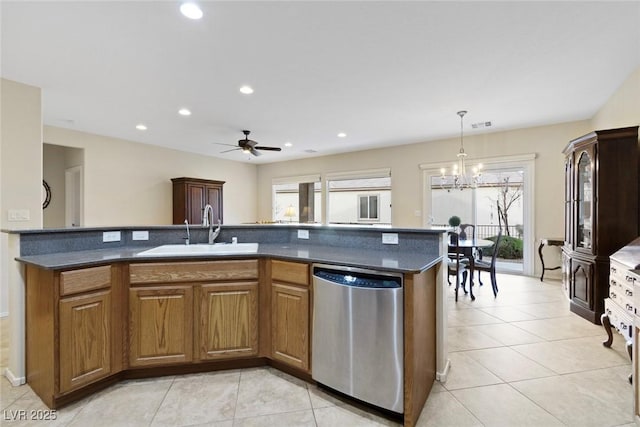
622, 308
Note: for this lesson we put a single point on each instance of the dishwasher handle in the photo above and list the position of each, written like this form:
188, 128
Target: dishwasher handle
358, 279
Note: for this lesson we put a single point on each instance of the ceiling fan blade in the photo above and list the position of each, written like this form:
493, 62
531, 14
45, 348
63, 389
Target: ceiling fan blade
269, 148
233, 149
255, 152
228, 145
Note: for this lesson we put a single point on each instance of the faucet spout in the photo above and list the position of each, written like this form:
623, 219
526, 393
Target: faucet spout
213, 234
188, 238
208, 222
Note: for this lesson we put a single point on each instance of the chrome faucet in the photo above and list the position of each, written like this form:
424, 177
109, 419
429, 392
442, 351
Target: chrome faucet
206, 221
188, 238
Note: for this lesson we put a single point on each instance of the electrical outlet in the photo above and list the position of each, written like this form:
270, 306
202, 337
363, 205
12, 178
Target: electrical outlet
303, 234
111, 236
139, 235
389, 238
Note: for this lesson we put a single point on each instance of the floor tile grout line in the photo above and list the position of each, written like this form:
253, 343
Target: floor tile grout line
162, 401
535, 403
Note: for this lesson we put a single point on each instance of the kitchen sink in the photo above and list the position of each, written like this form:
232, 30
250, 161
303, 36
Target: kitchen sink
201, 249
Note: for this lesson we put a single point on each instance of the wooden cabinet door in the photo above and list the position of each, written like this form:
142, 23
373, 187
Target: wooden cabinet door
582, 283
228, 316
213, 196
195, 203
161, 325
85, 350
290, 325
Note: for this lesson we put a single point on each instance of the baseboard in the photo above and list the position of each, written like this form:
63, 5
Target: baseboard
15, 381
442, 376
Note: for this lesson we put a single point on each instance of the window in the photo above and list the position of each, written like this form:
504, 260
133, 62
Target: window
359, 197
297, 199
368, 207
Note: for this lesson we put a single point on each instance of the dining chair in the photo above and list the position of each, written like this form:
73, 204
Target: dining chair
457, 263
463, 231
464, 234
490, 267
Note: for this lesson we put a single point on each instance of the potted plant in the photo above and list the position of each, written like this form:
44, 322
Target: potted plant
454, 221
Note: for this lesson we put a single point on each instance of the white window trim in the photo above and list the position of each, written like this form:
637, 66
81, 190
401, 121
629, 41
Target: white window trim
524, 161
368, 196
296, 179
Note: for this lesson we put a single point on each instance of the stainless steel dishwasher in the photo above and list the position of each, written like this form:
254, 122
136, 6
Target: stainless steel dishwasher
358, 334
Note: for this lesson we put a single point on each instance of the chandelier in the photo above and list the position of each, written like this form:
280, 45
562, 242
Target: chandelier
458, 178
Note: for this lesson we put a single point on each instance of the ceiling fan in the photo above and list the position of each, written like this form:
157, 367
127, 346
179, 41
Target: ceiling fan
249, 146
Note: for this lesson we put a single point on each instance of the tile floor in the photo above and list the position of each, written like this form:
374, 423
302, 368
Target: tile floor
519, 360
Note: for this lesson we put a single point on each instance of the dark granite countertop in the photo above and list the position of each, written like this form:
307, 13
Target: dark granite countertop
400, 261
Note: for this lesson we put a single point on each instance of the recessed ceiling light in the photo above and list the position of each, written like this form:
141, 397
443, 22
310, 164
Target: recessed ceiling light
247, 90
184, 112
342, 135
140, 126
191, 10
288, 144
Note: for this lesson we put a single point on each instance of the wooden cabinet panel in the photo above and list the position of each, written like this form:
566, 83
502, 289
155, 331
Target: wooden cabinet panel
292, 272
190, 195
228, 314
150, 273
85, 329
582, 283
86, 279
161, 325
290, 325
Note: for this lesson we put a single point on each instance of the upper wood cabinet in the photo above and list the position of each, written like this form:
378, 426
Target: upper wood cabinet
601, 212
191, 195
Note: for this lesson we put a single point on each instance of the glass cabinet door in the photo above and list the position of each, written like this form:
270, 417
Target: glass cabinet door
568, 211
584, 224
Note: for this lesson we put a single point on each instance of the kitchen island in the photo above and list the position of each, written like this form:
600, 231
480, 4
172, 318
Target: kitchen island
98, 315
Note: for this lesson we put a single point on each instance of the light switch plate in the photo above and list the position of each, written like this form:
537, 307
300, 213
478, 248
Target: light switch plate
111, 236
390, 238
19, 215
139, 235
303, 234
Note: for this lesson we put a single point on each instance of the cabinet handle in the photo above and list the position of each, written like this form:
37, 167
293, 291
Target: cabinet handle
629, 307
614, 283
628, 292
608, 312
613, 294
628, 278
613, 270
623, 325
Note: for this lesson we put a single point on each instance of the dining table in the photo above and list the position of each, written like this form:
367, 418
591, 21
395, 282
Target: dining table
467, 247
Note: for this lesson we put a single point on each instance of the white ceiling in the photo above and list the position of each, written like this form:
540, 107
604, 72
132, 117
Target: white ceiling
385, 73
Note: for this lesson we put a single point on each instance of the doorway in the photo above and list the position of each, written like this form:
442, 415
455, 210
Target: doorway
63, 171
502, 199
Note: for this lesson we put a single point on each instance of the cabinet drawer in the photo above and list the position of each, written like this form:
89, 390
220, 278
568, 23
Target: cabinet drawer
192, 271
87, 279
619, 318
292, 272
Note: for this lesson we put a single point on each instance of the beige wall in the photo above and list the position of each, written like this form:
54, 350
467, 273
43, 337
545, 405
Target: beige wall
20, 188
53, 165
623, 108
127, 183
21, 146
546, 141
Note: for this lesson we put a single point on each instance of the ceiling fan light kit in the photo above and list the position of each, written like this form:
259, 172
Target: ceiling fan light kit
249, 146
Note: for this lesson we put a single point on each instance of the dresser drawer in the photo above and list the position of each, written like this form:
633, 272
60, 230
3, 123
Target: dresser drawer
619, 318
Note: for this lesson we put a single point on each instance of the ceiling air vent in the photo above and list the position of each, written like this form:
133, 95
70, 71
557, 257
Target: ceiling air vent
310, 150
481, 125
